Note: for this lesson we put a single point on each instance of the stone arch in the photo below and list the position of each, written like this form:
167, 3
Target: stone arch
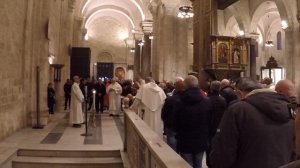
261, 9
240, 17
111, 8
285, 14
229, 27
105, 56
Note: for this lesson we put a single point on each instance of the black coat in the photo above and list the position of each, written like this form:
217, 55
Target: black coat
169, 110
255, 133
219, 106
67, 89
228, 93
50, 96
192, 122
100, 88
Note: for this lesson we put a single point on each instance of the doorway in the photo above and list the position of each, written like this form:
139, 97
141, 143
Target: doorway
105, 70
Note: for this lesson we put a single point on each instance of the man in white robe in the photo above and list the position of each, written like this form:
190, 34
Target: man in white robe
151, 97
76, 116
114, 91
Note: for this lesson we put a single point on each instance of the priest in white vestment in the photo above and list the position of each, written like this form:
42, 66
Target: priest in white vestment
152, 98
114, 91
76, 116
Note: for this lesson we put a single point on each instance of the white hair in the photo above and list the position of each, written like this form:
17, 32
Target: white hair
191, 81
225, 82
178, 78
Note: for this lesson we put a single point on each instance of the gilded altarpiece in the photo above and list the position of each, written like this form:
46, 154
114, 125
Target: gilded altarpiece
229, 56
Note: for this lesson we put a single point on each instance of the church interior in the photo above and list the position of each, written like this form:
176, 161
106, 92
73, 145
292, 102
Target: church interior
44, 41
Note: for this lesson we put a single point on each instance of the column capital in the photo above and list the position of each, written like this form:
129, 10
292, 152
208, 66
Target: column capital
147, 26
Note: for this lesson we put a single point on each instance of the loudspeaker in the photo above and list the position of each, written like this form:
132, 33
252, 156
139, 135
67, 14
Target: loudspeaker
80, 62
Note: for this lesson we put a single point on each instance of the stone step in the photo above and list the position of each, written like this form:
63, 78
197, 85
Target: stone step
68, 153
59, 162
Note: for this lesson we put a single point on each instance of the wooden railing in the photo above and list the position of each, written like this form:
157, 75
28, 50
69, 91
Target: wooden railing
145, 148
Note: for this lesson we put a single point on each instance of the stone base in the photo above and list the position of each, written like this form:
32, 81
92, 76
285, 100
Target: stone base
44, 118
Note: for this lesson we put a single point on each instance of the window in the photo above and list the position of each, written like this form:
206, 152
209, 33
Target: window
279, 41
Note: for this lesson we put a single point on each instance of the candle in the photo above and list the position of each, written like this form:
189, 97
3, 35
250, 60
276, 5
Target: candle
94, 99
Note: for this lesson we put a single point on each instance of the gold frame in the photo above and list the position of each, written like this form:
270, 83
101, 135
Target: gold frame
225, 51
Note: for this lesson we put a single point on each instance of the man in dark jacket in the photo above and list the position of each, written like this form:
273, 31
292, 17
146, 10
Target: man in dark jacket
227, 92
100, 92
168, 112
192, 123
256, 132
67, 90
218, 107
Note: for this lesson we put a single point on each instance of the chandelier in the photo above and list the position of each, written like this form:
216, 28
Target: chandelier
269, 43
185, 12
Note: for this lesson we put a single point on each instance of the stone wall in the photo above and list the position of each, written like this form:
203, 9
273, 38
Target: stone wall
29, 32
12, 108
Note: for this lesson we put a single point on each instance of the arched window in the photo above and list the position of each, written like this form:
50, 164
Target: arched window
279, 41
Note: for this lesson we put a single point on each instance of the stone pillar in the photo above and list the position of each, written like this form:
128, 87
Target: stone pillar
78, 33
65, 38
37, 50
204, 25
253, 55
146, 56
170, 43
137, 59
290, 48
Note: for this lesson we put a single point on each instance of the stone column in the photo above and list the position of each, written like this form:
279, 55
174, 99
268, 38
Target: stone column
36, 51
253, 55
137, 59
204, 25
78, 33
290, 48
146, 57
65, 38
170, 43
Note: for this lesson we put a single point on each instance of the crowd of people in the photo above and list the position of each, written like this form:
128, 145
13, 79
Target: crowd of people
241, 124
237, 124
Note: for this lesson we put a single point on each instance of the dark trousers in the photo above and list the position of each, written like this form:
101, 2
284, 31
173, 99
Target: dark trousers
67, 101
90, 102
51, 106
99, 103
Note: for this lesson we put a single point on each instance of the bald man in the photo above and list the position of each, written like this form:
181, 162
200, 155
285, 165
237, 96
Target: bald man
287, 88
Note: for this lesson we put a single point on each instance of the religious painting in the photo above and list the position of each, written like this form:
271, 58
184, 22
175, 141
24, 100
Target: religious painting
236, 55
120, 73
223, 53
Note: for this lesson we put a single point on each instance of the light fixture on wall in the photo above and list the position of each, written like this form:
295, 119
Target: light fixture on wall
284, 24
185, 12
269, 43
51, 58
86, 36
141, 43
151, 37
132, 50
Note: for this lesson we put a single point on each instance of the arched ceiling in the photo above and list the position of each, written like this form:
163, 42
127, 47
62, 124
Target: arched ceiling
112, 33
109, 23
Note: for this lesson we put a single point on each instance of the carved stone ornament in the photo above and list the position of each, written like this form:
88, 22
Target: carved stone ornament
272, 63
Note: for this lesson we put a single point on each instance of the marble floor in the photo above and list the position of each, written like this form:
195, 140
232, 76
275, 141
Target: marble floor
58, 134
107, 134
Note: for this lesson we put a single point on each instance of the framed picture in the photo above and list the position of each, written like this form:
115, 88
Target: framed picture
223, 52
